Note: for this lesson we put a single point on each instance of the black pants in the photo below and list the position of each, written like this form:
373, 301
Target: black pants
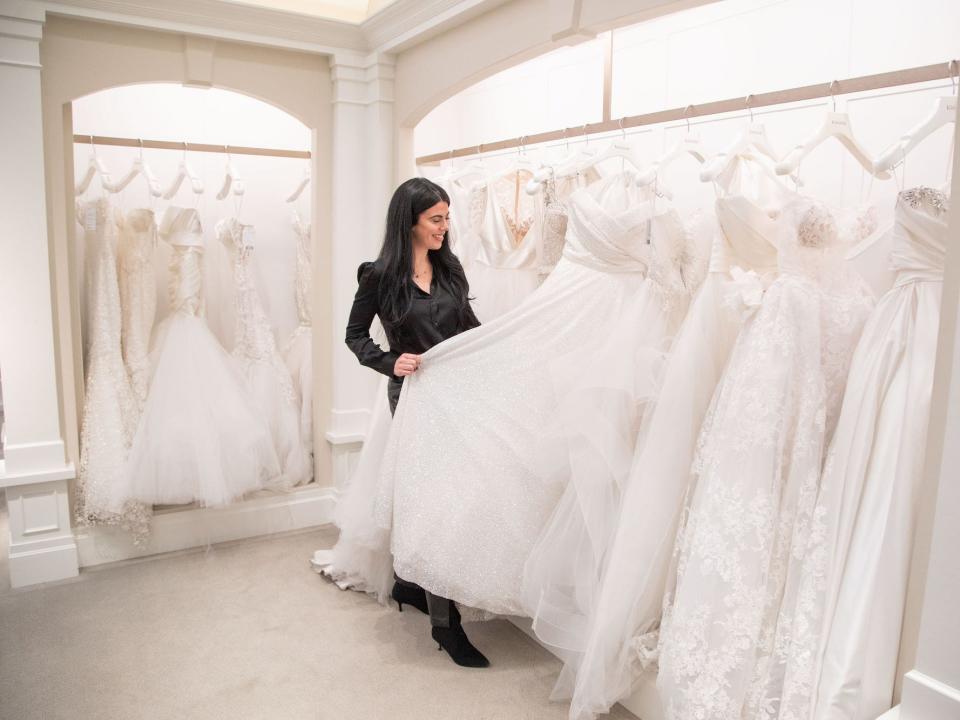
442, 610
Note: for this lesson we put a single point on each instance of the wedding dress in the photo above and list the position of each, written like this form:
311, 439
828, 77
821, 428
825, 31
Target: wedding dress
138, 292
298, 352
756, 473
489, 430
609, 630
109, 406
200, 438
255, 351
853, 581
503, 227
464, 240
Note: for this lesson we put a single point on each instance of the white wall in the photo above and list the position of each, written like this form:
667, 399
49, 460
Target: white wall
731, 49
218, 117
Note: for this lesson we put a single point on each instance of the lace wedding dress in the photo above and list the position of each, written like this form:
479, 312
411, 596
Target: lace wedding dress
853, 582
755, 478
488, 432
109, 409
200, 438
610, 629
138, 290
298, 352
255, 351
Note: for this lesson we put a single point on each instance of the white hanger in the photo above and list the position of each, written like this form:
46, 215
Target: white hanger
619, 149
944, 112
139, 168
835, 125
301, 186
690, 144
753, 137
474, 167
184, 171
231, 179
547, 171
95, 167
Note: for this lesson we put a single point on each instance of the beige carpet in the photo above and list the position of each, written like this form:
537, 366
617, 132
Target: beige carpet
247, 631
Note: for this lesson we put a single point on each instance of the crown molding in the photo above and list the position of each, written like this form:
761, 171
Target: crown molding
395, 27
222, 20
408, 22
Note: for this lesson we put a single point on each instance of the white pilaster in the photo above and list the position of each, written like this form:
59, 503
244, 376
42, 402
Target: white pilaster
931, 690
362, 181
34, 472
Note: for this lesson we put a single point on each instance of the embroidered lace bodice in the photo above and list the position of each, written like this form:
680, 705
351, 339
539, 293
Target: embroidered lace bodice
138, 241
254, 339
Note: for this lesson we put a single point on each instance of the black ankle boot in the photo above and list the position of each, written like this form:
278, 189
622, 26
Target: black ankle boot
415, 596
458, 646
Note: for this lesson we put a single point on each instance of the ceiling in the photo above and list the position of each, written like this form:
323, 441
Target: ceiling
351, 11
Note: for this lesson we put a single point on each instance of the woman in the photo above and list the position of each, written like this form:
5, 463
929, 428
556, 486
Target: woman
418, 289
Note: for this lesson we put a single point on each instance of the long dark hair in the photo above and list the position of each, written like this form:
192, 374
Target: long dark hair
412, 198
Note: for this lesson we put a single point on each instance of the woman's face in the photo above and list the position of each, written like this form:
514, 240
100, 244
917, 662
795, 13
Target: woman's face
431, 225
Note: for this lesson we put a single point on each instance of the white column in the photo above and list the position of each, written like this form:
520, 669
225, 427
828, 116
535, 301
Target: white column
34, 472
362, 180
931, 690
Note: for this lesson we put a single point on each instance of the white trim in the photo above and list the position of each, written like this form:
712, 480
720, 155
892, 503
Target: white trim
223, 20
18, 63
407, 22
32, 477
196, 527
348, 424
925, 697
35, 565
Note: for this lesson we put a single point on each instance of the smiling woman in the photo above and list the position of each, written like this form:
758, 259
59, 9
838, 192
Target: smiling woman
418, 289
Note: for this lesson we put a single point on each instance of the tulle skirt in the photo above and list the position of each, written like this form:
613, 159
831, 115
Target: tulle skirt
271, 389
200, 438
361, 559
610, 626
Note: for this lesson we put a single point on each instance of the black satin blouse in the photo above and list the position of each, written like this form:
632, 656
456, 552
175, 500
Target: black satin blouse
433, 318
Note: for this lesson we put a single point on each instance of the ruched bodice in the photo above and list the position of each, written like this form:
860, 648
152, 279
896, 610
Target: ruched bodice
608, 242
747, 236
919, 235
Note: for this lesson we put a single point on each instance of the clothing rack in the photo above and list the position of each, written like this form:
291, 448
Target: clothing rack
193, 147
909, 76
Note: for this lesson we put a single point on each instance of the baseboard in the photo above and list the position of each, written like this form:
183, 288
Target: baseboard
924, 698
48, 561
644, 702
181, 529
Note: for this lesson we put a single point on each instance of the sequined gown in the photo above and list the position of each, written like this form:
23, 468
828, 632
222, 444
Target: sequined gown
109, 409
853, 582
489, 430
255, 351
298, 351
201, 438
755, 478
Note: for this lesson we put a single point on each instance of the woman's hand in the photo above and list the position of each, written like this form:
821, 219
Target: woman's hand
406, 364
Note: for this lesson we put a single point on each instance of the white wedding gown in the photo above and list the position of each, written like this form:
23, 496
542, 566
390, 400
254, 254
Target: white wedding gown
109, 408
138, 292
488, 432
298, 351
267, 376
200, 438
610, 630
853, 582
756, 474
